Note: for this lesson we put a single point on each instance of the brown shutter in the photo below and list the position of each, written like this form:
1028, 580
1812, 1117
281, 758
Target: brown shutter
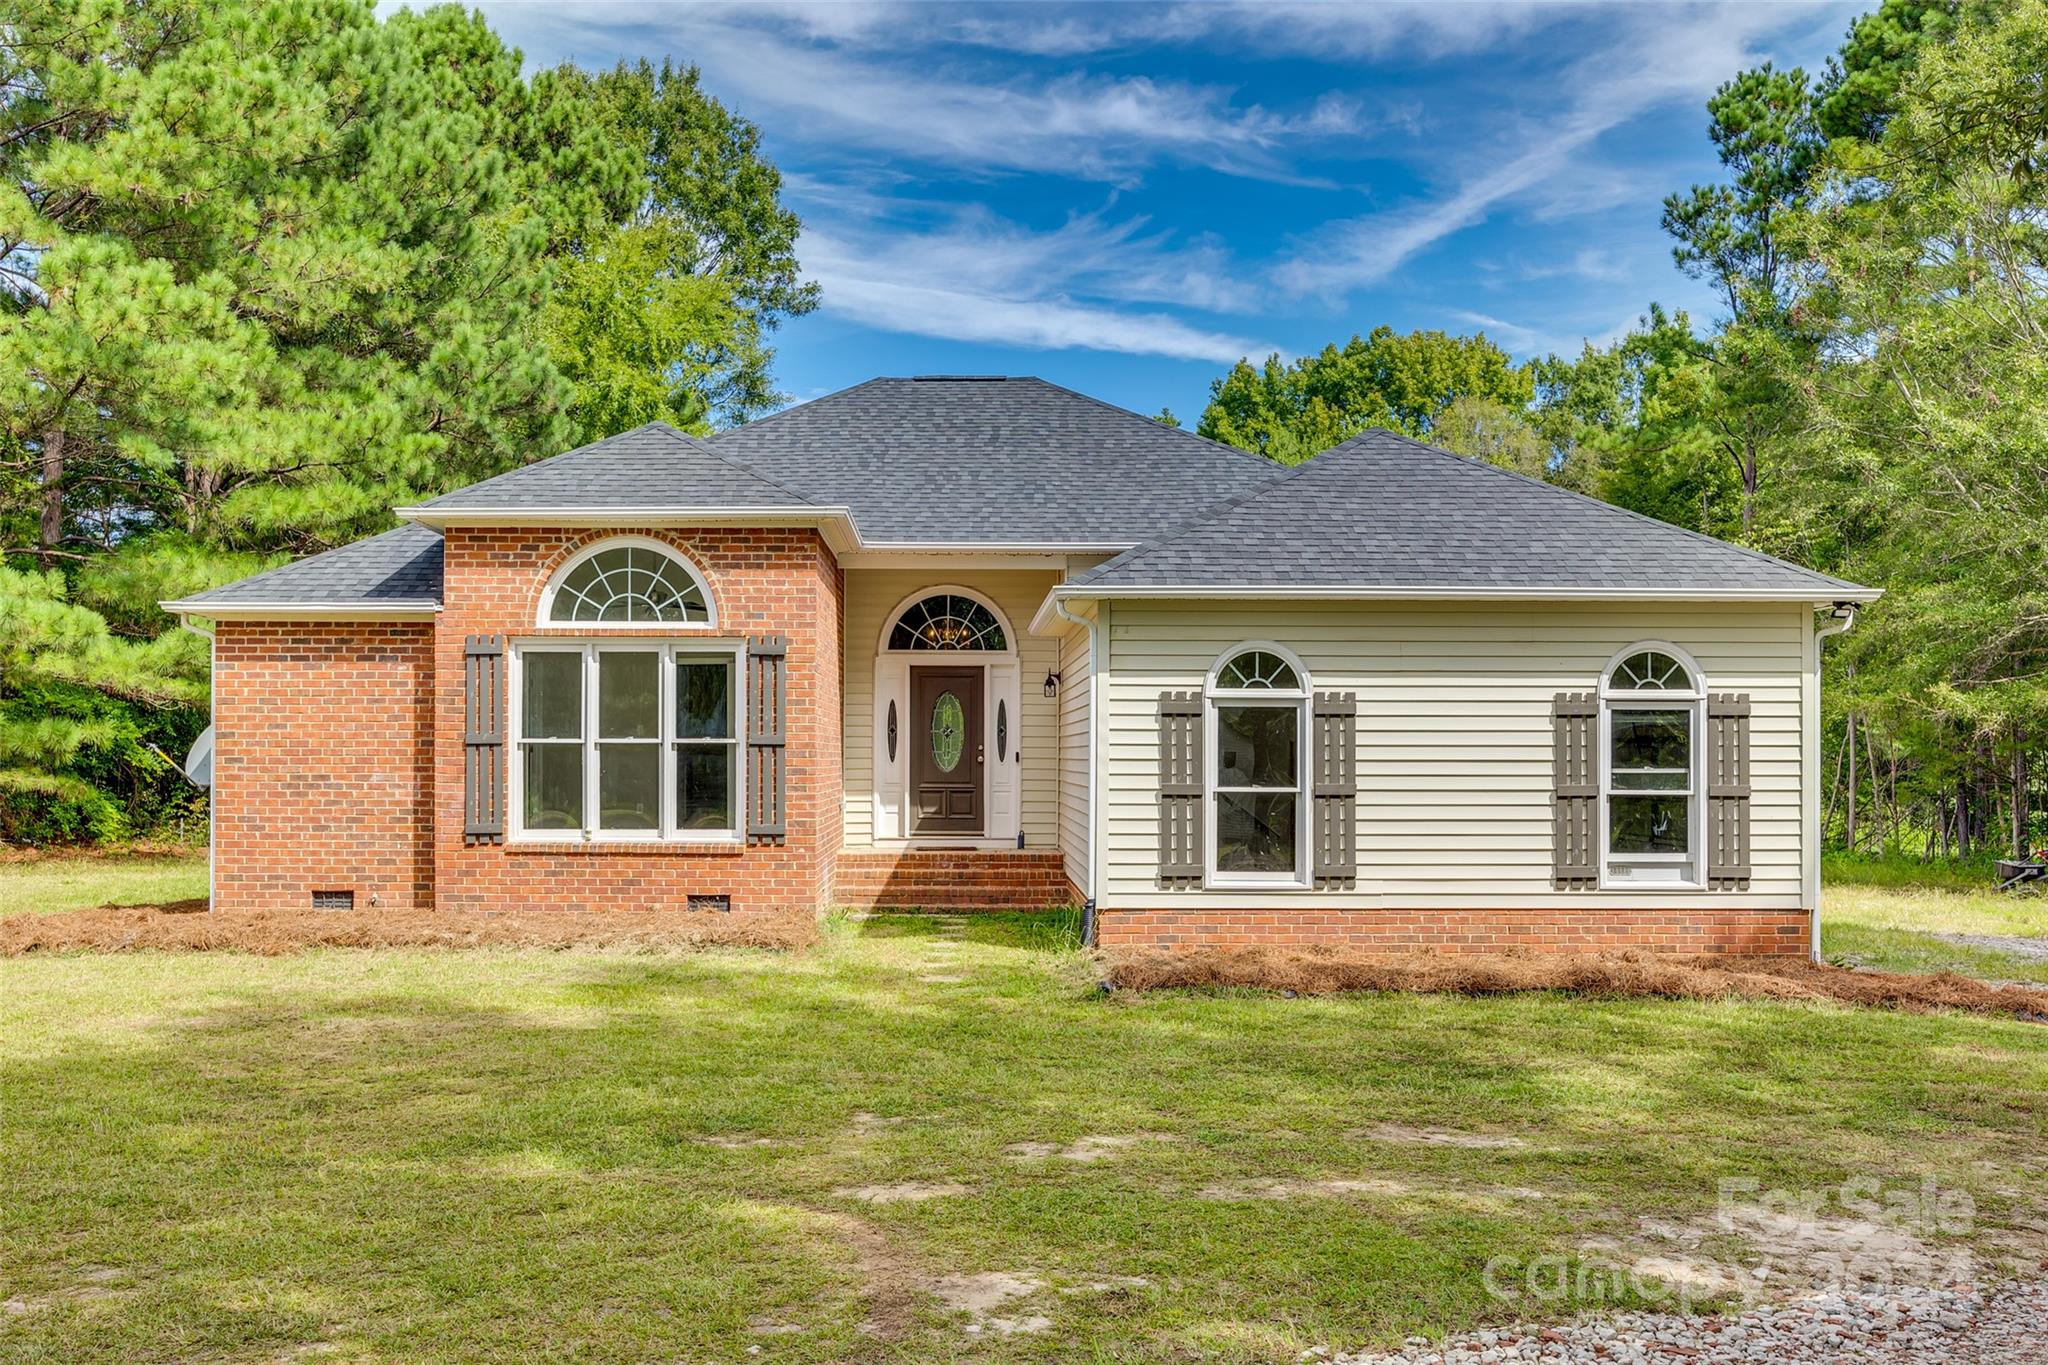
1575, 787
767, 714
483, 739
1180, 788
1335, 788
1728, 791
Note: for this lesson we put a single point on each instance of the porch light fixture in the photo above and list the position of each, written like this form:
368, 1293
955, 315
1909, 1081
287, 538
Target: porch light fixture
1052, 683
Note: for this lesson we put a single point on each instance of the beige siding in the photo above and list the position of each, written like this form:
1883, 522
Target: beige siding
870, 595
1454, 737
1076, 674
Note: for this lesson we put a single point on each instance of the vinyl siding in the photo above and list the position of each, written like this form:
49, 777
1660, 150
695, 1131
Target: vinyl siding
1076, 674
870, 595
1454, 739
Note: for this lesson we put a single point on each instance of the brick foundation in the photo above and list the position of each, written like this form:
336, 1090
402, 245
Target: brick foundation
1748, 932
953, 879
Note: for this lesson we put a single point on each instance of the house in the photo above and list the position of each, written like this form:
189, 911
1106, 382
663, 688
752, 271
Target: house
986, 642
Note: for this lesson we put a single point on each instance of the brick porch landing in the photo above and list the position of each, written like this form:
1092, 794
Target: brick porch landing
953, 879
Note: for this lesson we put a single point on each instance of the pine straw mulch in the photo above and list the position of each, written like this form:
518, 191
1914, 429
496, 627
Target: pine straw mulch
1325, 971
187, 926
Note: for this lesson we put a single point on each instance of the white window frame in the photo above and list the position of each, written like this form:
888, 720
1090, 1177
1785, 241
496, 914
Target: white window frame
669, 649
544, 617
1297, 699
1655, 871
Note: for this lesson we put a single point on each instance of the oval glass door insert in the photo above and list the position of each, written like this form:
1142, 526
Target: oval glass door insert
949, 731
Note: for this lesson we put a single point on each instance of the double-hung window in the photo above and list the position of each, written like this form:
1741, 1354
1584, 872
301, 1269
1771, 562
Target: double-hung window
1651, 714
1257, 806
635, 740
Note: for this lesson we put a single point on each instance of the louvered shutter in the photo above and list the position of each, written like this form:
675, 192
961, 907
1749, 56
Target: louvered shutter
767, 716
1180, 788
1334, 790
483, 739
1575, 788
1728, 791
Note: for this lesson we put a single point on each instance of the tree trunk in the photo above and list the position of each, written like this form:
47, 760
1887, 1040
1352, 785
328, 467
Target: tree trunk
51, 532
1749, 481
1849, 832
2020, 813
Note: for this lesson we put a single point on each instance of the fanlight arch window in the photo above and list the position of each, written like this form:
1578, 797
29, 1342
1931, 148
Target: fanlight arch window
1652, 717
628, 582
1256, 778
947, 621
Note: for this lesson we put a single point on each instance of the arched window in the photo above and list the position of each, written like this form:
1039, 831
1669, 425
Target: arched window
1652, 702
628, 580
1257, 808
947, 620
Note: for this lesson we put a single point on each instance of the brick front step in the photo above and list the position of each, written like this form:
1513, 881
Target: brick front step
953, 879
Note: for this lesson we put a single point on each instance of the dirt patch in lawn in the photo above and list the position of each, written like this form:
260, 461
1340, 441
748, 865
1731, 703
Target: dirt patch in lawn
1086, 1150
187, 926
1325, 971
1434, 1137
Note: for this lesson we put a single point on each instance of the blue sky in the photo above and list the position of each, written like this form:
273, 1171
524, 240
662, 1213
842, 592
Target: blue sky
1127, 197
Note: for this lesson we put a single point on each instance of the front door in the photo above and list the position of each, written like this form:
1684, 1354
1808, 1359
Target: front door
946, 760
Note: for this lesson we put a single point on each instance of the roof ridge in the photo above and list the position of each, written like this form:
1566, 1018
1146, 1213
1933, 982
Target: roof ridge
1472, 462
757, 423
703, 446
1141, 417
1207, 513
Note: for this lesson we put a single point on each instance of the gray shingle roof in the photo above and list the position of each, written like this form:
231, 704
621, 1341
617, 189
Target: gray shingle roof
650, 466
962, 460
1381, 510
400, 568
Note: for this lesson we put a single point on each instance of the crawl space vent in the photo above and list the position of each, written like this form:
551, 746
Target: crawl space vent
334, 900
711, 902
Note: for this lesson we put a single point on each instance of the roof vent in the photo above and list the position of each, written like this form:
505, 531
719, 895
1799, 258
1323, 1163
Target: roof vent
958, 378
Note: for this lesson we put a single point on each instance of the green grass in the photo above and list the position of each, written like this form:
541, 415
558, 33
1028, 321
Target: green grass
75, 882
517, 1155
1876, 915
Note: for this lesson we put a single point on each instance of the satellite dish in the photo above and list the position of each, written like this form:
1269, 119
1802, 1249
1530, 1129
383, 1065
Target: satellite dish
199, 763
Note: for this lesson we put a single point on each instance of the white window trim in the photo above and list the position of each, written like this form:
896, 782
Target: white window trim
668, 648
1693, 701
1213, 697
598, 547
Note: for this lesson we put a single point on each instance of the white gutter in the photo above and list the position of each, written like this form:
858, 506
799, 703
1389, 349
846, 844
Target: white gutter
836, 523
1844, 620
413, 609
1094, 629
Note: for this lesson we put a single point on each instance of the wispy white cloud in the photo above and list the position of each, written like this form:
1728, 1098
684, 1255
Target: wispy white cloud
1662, 54
875, 78
978, 277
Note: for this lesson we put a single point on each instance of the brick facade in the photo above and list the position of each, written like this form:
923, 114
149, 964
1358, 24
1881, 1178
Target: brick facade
762, 582
322, 776
1749, 932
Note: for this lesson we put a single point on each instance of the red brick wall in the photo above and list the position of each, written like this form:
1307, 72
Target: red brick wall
321, 771
1761, 932
763, 582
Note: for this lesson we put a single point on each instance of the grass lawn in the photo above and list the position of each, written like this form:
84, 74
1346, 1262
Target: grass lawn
72, 883
592, 1155
1877, 915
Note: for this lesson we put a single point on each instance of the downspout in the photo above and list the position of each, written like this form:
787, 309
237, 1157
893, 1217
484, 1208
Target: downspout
186, 622
1841, 621
1090, 891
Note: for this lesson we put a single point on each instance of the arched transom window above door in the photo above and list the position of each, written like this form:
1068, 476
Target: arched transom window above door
627, 581
947, 621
